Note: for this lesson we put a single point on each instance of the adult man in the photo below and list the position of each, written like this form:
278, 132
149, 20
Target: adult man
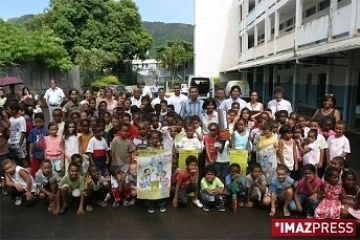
193, 106
220, 96
145, 90
12, 96
136, 98
54, 96
161, 93
279, 103
235, 92
155, 90
177, 98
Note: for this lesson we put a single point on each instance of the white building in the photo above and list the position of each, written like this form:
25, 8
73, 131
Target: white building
309, 47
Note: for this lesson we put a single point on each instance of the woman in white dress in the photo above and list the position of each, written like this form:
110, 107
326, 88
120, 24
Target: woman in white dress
254, 105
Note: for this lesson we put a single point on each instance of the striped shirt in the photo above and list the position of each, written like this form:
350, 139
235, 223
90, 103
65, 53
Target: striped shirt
191, 108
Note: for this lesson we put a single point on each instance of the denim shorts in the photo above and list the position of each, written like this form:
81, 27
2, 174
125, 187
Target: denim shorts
17, 150
56, 164
222, 169
184, 191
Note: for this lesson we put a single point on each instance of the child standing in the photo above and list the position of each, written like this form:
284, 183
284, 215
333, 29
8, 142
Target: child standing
212, 189
210, 140
235, 185
98, 151
84, 140
4, 150
47, 181
326, 128
122, 149
281, 190
117, 186
57, 115
332, 191
141, 140
108, 121
287, 149
54, 148
339, 145
131, 184
308, 149
189, 141
256, 187
96, 188
115, 122
71, 142
17, 141
20, 184
36, 151
240, 137
155, 140
72, 183
222, 159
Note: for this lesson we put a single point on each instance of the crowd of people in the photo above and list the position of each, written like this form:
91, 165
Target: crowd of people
89, 149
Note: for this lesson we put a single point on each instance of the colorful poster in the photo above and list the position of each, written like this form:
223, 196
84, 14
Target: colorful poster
183, 154
153, 174
240, 157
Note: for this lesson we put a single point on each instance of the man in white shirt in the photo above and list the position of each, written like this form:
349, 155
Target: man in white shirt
279, 103
161, 93
145, 90
54, 96
136, 98
177, 99
235, 93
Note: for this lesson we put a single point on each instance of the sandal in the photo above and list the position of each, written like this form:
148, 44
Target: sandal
241, 204
286, 212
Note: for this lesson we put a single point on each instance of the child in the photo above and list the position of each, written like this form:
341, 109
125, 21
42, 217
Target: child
96, 188
235, 185
210, 140
196, 122
117, 186
122, 149
306, 192
72, 183
17, 141
281, 117
246, 115
338, 163
212, 189
339, 145
332, 192
71, 141
301, 120
47, 181
169, 135
20, 184
240, 137
78, 160
54, 148
186, 182
155, 140
297, 135
231, 116
287, 149
320, 143
326, 128
164, 108
308, 148
4, 150
131, 184
57, 115
155, 124
115, 122
281, 190
83, 115
141, 140
350, 205
108, 120
36, 151
256, 187
189, 142
98, 151
84, 140
222, 159
174, 172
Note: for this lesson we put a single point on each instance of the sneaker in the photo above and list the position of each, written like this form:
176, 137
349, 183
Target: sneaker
221, 207
115, 204
151, 210
89, 208
126, 203
107, 198
205, 209
198, 203
4, 192
309, 216
102, 203
63, 209
162, 209
132, 202
18, 201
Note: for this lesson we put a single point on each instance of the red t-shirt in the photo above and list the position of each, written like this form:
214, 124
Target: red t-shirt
184, 177
210, 144
133, 132
303, 189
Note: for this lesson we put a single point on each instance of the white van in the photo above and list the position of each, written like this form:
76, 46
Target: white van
244, 86
205, 86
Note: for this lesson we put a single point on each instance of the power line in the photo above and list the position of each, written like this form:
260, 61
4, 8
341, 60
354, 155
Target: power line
177, 11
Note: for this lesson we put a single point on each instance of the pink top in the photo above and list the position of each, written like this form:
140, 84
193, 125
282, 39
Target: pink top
53, 147
303, 186
326, 134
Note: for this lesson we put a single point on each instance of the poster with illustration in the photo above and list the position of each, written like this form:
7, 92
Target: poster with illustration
183, 154
240, 157
153, 174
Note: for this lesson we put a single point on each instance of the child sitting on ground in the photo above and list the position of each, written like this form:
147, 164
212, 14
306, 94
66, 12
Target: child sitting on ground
131, 184
256, 187
235, 185
212, 189
97, 188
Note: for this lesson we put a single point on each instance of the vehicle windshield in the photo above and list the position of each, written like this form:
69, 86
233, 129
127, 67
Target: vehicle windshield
203, 85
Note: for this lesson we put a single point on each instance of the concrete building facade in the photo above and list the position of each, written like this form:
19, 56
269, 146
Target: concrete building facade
309, 47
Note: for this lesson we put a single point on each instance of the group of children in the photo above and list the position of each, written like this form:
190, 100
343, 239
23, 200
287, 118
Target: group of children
92, 156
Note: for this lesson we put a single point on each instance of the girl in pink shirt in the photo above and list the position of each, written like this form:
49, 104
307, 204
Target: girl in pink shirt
54, 148
209, 142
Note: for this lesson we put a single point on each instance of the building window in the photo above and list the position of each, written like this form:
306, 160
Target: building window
308, 87
251, 41
282, 26
310, 11
241, 13
261, 38
324, 4
241, 46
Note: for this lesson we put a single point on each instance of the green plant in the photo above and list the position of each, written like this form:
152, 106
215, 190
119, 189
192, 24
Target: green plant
105, 81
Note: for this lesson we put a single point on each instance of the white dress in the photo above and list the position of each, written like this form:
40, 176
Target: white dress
71, 147
256, 108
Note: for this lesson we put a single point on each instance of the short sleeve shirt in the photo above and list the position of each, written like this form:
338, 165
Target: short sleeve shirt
215, 184
250, 181
303, 189
78, 183
122, 148
278, 187
34, 138
17, 127
184, 177
42, 180
101, 182
337, 146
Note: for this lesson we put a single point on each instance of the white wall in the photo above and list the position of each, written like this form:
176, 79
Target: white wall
217, 45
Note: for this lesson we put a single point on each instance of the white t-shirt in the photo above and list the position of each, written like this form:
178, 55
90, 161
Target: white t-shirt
310, 157
276, 106
177, 101
158, 100
168, 141
95, 144
320, 144
55, 96
337, 146
17, 127
189, 143
223, 157
147, 91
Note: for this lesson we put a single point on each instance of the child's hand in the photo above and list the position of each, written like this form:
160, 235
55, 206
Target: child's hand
28, 196
249, 204
313, 197
18, 187
88, 179
272, 212
119, 177
175, 202
234, 176
80, 211
299, 208
107, 161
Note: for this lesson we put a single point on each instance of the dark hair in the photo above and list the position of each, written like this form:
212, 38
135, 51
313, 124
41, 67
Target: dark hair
235, 165
92, 167
57, 110
72, 90
193, 87
147, 98
342, 123
207, 103
156, 132
209, 169
328, 97
97, 126
6, 161
13, 106
75, 113
285, 129
314, 120
282, 167
313, 131
23, 90
327, 120
84, 121
75, 156
213, 125
73, 165
297, 127
125, 114
221, 89
39, 116
113, 170
330, 171
124, 125
161, 89
234, 104
345, 174
66, 129
163, 101
134, 109
231, 111
279, 90
309, 167
267, 126
255, 165
51, 124
45, 161
171, 106
195, 118
277, 114
339, 159
191, 159
235, 87
176, 84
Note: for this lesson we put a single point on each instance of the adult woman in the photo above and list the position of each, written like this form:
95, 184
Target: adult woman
72, 105
100, 96
109, 99
25, 94
87, 96
328, 110
210, 115
254, 105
